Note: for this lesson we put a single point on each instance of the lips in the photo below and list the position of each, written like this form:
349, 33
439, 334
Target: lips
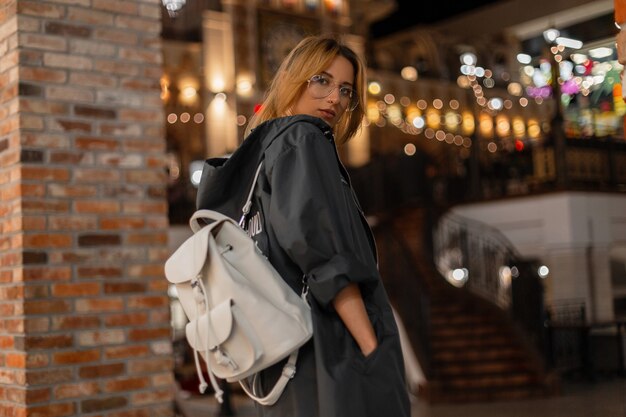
327, 113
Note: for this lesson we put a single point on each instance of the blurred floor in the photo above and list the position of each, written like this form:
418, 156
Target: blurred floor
603, 398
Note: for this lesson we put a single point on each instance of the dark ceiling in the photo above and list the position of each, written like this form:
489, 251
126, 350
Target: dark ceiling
422, 12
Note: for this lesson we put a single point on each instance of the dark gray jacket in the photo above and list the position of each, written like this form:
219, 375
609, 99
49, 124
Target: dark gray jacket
307, 220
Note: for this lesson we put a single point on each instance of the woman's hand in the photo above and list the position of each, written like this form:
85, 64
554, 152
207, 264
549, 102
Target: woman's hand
349, 305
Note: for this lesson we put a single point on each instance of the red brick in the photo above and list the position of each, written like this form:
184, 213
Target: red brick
47, 206
48, 240
144, 271
99, 305
152, 365
91, 143
138, 335
15, 360
102, 404
96, 175
146, 176
137, 207
136, 115
46, 42
75, 322
116, 36
101, 337
48, 273
153, 396
74, 126
102, 371
47, 306
97, 206
124, 352
141, 302
114, 223
76, 289
44, 140
127, 384
126, 319
73, 222
37, 324
49, 376
164, 379
52, 410
73, 191
80, 390
49, 341
45, 174
90, 16
124, 287
39, 291
75, 357
42, 107
71, 158
99, 272
90, 79
117, 6
139, 24
146, 239
39, 9
7, 342
12, 376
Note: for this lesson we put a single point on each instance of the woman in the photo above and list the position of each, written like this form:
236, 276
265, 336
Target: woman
306, 219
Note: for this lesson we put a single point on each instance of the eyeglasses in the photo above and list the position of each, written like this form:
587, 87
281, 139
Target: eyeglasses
321, 86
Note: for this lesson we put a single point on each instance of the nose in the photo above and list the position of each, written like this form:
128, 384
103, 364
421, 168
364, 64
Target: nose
333, 97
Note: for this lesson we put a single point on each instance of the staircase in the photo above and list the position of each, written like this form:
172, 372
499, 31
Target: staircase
473, 350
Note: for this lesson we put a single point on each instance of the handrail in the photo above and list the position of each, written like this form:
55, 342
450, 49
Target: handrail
482, 254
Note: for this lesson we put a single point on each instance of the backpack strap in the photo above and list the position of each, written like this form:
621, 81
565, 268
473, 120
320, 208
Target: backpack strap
246, 207
289, 371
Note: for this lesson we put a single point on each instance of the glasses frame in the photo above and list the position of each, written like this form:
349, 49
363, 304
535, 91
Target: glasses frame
354, 97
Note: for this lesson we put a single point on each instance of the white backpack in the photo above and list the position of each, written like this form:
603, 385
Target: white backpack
243, 317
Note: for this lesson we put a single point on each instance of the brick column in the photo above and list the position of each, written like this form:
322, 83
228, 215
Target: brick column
84, 314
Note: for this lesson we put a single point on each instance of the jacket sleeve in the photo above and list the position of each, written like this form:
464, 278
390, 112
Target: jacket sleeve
313, 217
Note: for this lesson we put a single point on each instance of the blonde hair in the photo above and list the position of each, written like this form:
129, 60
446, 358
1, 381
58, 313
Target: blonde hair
311, 56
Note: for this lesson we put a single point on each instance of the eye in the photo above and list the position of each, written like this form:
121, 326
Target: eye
320, 79
346, 92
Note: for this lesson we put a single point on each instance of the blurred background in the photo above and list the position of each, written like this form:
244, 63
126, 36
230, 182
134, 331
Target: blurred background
491, 166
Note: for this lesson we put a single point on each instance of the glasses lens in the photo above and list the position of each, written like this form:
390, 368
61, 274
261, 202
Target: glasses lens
321, 87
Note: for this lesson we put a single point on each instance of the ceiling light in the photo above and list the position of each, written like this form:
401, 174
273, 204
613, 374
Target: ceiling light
601, 52
524, 58
550, 35
569, 43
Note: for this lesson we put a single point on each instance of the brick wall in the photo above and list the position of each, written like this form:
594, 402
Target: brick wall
84, 315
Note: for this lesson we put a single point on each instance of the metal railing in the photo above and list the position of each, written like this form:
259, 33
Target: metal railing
480, 259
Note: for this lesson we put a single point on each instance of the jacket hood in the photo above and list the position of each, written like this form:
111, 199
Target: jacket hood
226, 181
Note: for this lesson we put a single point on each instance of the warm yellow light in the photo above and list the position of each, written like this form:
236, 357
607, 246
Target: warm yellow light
432, 118
374, 88
468, 123
409, 73
395, 114
451, 121
519, 127
188, 88
534, 131
244, 86
410, 149
486, 125
373, 114
503, 127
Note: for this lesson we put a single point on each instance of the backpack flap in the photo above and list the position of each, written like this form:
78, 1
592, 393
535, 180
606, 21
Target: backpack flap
210, 330
228, 346
186, 263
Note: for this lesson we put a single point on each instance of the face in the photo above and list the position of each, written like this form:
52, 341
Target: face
330, 108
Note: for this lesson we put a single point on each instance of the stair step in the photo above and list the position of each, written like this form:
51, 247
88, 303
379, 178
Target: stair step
494, 380
468, 395
493, 342
467, 331
478, 355
478, 368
